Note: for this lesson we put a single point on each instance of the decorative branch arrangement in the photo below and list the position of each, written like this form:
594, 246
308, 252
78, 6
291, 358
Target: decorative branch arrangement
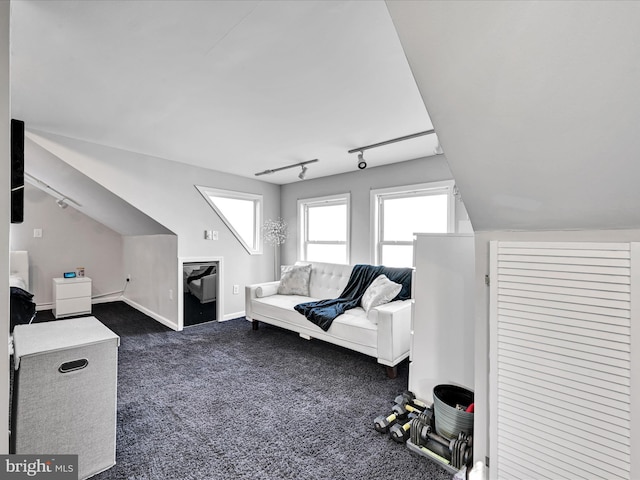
274, 232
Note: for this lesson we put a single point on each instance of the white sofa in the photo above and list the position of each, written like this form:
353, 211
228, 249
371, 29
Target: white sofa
383, 333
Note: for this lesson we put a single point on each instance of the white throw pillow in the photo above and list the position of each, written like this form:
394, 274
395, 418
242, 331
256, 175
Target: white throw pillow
294, 280
16, 281
381, 291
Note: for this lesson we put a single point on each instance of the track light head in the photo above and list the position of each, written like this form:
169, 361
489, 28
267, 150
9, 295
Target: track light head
62, 204
361, 163
301, 175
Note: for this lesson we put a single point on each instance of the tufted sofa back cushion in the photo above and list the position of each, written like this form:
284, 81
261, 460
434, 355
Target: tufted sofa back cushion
327, 279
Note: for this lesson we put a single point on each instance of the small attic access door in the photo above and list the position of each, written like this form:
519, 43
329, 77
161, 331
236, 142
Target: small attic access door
561, 376
200, 296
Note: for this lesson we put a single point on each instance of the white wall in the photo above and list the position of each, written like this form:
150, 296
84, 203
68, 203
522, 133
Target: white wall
69, 239
481, 432
359, 183
5, 208
165, 191
152, 263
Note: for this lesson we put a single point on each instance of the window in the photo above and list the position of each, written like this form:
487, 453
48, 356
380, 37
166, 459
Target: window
241, 212
400, 212
324, 229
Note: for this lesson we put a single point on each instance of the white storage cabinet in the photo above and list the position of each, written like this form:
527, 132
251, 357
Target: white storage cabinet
71, 296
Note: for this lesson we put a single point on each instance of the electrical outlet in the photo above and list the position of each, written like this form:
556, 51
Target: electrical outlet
236, 289
129, 278
170, 294
37, 233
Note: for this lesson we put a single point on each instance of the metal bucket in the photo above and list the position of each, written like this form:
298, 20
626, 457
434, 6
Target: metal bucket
449, 420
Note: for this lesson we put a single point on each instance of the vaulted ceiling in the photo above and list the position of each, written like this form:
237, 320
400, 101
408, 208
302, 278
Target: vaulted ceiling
238, 87
536, 105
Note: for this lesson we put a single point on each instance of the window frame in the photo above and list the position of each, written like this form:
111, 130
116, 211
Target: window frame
257, 200
405, 191
303, 223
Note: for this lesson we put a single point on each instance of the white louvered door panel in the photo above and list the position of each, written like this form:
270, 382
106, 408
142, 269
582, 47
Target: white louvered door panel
560, 368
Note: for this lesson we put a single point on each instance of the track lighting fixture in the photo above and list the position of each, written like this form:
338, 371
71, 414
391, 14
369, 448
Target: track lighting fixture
361, 162
62, 202
302, 174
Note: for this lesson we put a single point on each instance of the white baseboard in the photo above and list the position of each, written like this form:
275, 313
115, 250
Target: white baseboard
114, 298
159, 318
231, 316
107, 299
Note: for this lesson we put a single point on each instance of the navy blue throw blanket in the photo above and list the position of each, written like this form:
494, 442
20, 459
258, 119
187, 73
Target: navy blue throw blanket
323, 312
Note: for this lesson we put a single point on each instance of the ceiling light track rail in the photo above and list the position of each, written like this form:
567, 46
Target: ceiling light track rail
299, 164
62, 201
393, 140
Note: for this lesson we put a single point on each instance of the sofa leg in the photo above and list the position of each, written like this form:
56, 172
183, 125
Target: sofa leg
254, 324
392, 372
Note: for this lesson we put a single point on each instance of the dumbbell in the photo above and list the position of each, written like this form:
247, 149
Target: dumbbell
402, 408
458, 451
400, 432
405, 397
383, 422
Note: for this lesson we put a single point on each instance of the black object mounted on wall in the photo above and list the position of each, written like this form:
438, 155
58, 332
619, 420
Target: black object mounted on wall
17, 171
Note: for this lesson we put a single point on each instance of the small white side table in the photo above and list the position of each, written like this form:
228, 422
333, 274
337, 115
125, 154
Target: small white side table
71, 296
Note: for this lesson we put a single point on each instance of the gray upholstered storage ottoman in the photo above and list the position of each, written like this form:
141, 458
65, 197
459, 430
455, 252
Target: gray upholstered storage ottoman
64, 398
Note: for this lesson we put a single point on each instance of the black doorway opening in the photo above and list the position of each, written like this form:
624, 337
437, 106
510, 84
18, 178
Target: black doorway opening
200, 292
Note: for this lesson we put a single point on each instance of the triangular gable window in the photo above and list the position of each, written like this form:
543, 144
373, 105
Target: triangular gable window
241, 212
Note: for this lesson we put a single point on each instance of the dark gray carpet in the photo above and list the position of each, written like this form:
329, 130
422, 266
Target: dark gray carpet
220, 401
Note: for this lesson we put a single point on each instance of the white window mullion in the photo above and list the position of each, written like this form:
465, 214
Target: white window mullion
305, 235
379, 234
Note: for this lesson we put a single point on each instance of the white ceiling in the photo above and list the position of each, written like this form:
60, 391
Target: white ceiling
233, 86
537, 106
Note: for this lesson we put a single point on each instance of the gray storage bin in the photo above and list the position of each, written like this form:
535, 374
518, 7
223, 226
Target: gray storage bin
449, 421
65, 395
